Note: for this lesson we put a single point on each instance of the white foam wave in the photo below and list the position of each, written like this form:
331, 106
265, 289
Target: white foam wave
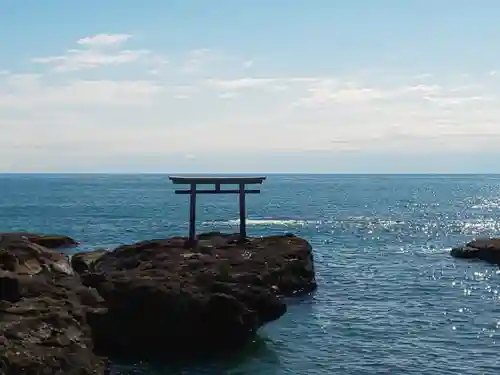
479, 225
434, 250
264, 222
372, 222
425, 250
487, 204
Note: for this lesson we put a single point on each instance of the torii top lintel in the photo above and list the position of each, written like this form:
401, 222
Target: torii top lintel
207, 180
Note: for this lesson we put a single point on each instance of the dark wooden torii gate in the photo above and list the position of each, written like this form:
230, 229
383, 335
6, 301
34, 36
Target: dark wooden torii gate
217, 181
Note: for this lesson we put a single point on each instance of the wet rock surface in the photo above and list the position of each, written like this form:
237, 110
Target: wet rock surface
153, 299
43, 312
487, 249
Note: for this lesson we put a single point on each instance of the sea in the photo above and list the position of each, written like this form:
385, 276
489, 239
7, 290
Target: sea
390, 299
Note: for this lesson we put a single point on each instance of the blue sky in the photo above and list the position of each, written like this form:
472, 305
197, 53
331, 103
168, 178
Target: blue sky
240, 86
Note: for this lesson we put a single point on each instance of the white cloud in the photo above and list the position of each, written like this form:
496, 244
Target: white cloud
29, 92
241, 83
98, 50
75, 60
429, 89
321, 96
328, 91
268, 83
450, 100
104, 39
158, 110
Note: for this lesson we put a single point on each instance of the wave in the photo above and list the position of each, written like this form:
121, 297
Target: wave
487, 204
352, 220
266, 222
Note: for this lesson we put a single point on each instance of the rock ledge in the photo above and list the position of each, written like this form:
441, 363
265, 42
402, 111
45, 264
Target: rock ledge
157, 298
43, 313
487, 249
212, 297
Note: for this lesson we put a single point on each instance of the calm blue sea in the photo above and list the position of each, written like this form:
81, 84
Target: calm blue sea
390, 300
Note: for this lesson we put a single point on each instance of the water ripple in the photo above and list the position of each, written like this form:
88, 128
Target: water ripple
390, 299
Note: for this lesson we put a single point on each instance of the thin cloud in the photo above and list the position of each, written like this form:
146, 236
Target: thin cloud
451, 100
247, 64
94, 53
75, 60
158, 111
274, 83
32, 95
197, 59
103, 39
241, 83
424, 88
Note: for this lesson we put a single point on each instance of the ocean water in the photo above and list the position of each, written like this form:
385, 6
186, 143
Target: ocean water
390, 299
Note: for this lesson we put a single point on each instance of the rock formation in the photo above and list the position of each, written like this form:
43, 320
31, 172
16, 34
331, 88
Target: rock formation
156, 298
43, 312
483, 249
165, 298
53, 241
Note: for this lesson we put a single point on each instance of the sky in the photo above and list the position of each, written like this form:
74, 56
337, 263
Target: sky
317, 86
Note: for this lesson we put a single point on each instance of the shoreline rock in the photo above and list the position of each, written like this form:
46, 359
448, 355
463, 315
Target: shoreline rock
155, 299
210, 298
487, 249
50, 241
43, 313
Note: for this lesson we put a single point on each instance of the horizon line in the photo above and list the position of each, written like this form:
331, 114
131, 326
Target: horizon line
254, 173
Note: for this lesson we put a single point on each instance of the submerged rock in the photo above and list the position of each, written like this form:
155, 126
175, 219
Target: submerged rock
483, 249
43, 312
165, 298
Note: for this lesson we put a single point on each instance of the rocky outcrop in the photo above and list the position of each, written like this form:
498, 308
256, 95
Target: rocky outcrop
43, 312
483, 249
164, 297
157, 298
53, 241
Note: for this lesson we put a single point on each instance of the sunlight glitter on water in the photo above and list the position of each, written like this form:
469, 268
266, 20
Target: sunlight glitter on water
390, 299
486, 203
479, 226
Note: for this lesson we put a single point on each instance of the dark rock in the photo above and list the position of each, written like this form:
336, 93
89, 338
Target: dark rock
155, 298
10, 288
483, 249
43, 327
53, 241
209, 298
80, 262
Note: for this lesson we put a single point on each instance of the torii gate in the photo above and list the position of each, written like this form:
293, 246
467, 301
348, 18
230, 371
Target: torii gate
217, 181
